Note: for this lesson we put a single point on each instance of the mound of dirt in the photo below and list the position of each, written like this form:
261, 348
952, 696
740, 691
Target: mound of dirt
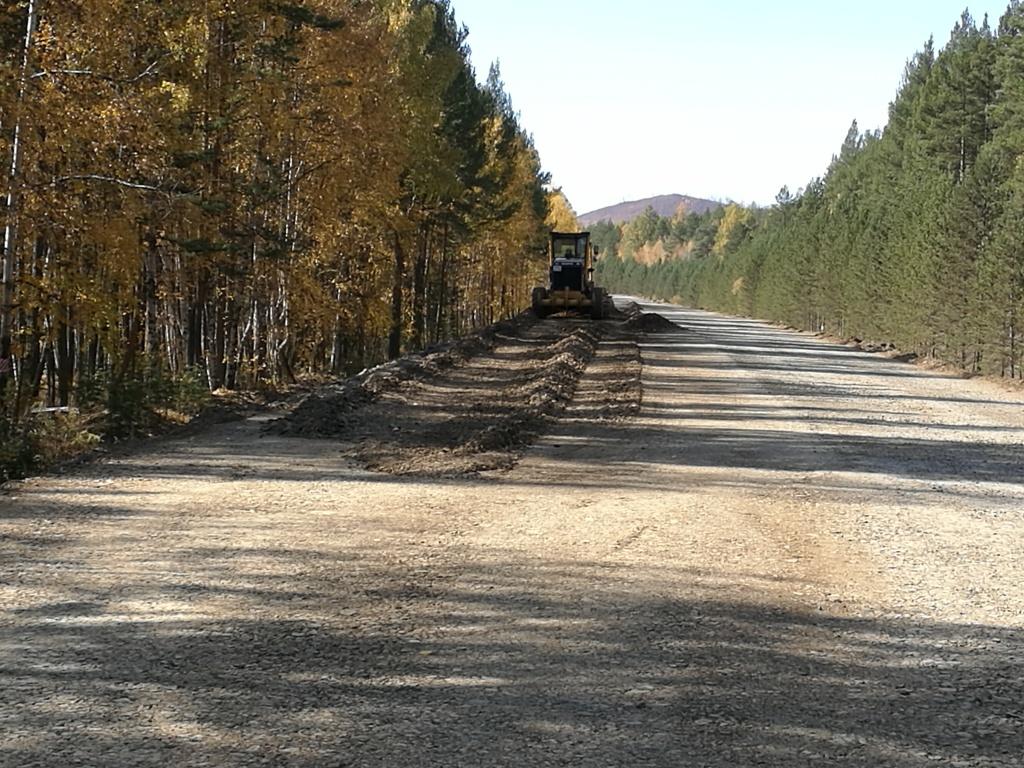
474, 405
323, 413
544, 393
651, 322
611, 391
227, 406
328, 411
482, 414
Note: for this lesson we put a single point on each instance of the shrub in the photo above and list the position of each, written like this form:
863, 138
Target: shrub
41, 440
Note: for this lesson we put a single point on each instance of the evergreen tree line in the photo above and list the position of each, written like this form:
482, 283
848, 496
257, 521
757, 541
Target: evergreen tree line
914, 235
243, 191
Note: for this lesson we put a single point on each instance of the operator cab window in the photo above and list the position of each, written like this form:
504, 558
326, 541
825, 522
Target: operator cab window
570, 248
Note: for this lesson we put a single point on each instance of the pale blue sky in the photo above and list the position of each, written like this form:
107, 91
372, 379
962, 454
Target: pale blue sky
728, 100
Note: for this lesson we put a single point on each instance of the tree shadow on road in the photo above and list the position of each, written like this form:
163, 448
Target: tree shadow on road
506, 661
331, 656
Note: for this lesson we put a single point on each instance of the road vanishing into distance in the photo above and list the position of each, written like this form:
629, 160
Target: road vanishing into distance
795, 553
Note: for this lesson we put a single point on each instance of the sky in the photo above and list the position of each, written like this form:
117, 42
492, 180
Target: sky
723, 100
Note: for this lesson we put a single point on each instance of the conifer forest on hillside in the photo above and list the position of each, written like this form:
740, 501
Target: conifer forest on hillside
200, 195
913, 236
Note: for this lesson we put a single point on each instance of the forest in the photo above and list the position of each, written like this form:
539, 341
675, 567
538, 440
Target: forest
239, 193
913, 236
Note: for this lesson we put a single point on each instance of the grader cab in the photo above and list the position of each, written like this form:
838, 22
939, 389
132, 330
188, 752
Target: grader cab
570, 278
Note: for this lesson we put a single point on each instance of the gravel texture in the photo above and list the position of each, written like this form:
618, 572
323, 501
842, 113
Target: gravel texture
792, 553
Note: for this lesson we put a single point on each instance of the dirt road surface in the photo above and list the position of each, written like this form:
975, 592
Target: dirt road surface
796, 553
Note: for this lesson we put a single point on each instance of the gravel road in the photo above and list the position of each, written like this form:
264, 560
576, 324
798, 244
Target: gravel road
796, 553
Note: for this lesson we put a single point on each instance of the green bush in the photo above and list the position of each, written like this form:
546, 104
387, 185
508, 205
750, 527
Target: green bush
129, 409
188, 392
17, 457
120, 408
91, 392
138, 406
42, 440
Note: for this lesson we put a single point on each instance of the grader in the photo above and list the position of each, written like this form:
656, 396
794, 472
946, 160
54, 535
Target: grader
570, 278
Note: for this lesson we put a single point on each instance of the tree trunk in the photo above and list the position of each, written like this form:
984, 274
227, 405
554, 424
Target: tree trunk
397, 309
65, 356
216, 317
10, 242
419, 288
195, 333
442, 293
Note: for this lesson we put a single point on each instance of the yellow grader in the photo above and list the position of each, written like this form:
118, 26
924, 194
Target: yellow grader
570, 278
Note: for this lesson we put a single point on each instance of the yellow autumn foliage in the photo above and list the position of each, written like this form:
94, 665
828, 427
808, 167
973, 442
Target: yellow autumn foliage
561, 216
734, 219
254, 190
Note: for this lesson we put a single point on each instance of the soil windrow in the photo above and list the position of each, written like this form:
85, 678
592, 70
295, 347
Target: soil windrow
476, 409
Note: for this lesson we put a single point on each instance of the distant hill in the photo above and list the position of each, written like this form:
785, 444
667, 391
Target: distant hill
664, 205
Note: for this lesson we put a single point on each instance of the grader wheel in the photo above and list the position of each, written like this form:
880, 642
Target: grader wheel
539, 294
597, 309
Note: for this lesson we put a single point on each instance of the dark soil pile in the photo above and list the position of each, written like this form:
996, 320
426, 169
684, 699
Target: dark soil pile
649, 322
481, 415
544, 391
476, 404
611, 391
328, 412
